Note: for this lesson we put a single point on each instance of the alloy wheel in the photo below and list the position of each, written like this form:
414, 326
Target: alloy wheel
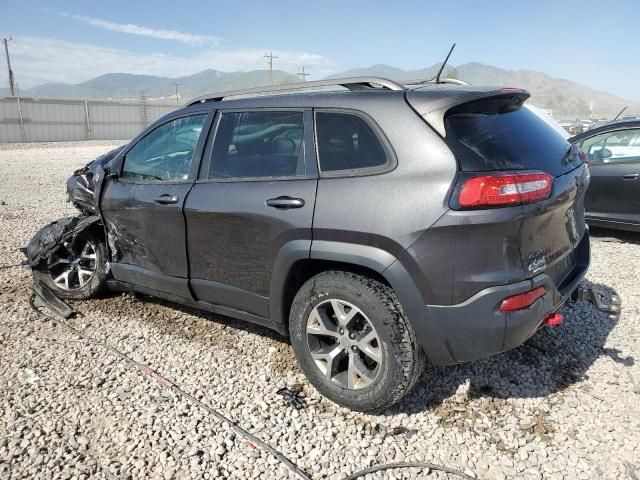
344, 344
73, 265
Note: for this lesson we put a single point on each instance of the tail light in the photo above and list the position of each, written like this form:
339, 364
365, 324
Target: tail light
503, 189
522, 300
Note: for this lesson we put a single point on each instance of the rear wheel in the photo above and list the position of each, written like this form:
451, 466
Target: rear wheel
77, 270
353, 341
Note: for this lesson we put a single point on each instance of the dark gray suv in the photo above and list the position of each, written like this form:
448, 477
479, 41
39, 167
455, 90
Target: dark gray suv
377, 227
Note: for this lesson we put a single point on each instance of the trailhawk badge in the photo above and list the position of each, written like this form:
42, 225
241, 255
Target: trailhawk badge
537, 261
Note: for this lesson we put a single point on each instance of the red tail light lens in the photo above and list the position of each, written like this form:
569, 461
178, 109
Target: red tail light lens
505, 189
522, 300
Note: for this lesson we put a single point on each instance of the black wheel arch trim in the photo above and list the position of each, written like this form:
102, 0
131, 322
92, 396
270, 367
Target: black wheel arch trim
372, 258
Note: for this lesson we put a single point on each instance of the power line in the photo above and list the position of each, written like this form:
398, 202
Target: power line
302, 74
271, 57
6, 51
176, 84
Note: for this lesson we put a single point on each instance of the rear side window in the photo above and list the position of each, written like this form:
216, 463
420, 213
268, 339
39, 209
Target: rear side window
259, 144
495, 138
347, 142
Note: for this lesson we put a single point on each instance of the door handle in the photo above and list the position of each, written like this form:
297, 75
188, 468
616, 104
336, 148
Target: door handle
630, 176
284, 203
166, 199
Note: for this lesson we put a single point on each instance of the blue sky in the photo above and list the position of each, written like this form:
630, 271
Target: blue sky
594, 43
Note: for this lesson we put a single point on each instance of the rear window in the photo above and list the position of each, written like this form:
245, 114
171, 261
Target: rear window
485, 137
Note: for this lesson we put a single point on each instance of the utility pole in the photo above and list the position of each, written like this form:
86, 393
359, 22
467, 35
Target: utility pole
176, 84
303, 75
6, 51
271, 57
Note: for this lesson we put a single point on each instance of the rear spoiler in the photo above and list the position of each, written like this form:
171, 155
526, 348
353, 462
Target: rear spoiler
433, 104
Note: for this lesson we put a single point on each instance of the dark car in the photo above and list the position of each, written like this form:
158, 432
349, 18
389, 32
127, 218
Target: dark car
613, 153
376, 227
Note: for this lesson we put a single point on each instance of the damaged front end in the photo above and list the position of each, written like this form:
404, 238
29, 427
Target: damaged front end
81, 185
69, 256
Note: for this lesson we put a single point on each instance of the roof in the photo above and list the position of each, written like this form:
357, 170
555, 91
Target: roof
357, 84
430, 93
350, 83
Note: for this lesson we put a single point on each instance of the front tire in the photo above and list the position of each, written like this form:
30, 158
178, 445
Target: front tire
353, 341
77, 270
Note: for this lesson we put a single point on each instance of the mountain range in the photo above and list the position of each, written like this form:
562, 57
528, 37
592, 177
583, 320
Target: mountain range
126, 86
562, 96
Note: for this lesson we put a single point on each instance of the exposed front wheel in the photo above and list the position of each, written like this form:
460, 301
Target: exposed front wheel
77, 269
353, 341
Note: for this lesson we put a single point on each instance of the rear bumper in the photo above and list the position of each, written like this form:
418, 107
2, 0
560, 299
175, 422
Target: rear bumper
477, 328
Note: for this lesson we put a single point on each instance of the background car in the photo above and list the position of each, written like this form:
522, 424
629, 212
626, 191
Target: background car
613, 152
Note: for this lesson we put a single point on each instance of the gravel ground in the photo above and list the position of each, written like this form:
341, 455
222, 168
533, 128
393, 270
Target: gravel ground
564, 405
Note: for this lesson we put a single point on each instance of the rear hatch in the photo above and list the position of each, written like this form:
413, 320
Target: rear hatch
495, 137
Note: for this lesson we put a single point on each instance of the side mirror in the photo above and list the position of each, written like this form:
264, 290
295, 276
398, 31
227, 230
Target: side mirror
111, 175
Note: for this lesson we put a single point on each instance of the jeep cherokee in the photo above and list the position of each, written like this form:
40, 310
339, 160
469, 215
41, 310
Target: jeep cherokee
378, 227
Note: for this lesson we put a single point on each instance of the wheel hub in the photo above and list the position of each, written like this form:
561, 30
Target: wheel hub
344, 344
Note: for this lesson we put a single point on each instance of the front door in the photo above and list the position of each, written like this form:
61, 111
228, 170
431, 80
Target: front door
256, 192
143, 206
614, 160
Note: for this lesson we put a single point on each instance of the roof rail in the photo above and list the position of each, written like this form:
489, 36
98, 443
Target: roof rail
352, 83
418, 81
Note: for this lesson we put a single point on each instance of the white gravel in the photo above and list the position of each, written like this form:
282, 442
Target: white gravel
564, 405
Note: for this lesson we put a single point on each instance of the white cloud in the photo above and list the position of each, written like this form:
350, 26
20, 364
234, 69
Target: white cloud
71, 62
188, 38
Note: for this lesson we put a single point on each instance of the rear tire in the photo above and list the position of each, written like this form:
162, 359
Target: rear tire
353, 341
76, 270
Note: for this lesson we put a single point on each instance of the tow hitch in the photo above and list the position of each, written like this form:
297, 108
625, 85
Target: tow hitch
608, 304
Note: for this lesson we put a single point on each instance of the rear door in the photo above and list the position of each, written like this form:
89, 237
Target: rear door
143, 207
614, 158
255, 193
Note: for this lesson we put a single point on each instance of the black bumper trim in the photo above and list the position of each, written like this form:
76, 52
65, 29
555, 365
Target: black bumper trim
476, 328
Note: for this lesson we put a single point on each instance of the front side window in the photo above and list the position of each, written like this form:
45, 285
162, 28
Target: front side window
347, 142
258, 145
166, 153
619, 146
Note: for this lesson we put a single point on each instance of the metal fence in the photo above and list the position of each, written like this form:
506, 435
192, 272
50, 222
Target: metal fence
25, 119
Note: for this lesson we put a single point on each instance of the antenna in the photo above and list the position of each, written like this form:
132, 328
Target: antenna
437, 77
619, 113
